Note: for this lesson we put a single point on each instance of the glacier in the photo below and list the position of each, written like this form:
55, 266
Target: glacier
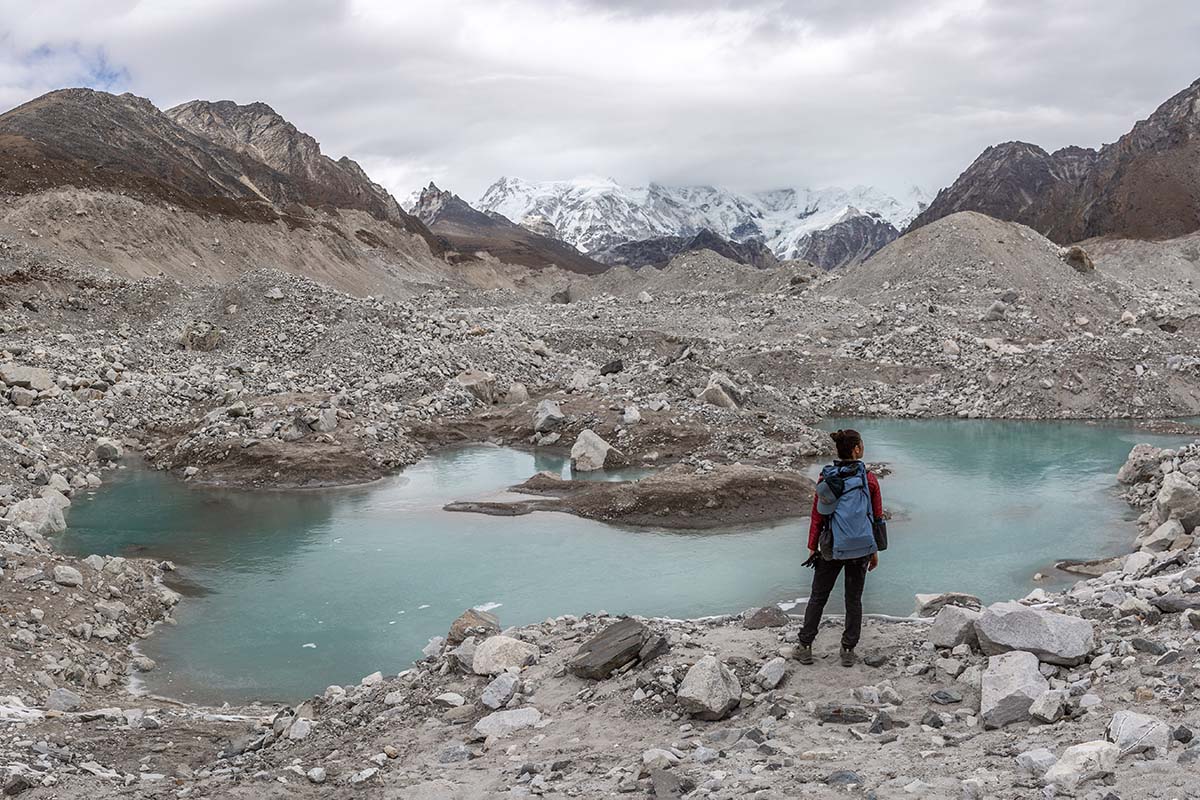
594, 213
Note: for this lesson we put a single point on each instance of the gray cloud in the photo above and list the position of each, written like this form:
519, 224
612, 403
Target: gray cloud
750, 94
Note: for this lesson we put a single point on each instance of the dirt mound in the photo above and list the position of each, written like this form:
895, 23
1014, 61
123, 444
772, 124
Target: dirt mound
699, 271
679, 497
966, 262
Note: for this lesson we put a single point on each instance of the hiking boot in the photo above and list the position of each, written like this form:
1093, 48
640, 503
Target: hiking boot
804, 654
848, 657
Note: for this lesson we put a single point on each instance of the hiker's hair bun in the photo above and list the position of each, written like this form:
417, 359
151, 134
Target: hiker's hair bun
846, 441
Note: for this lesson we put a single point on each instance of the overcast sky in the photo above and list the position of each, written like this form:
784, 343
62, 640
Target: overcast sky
753, 95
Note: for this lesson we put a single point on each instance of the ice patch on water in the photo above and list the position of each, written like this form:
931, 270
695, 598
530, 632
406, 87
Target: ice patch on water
487, 606
788, 605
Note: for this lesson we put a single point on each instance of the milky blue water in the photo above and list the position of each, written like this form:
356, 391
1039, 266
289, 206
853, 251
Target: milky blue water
288, 592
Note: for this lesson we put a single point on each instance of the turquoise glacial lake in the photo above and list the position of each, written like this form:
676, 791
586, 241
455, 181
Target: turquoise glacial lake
288, 592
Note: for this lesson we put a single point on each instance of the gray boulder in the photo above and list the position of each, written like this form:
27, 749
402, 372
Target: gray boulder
1053, 638
1050, 707
67, 576
1161, 537
1080, 763
473, 622
1010, 684
1141, 465
22, 398
500, 690
503, 723
63, 700
499, 653
1176, 602
322, 420
765, 617
108, 450
772, 673
1036, 762
547, 416
1139, 733
482, 385
39, 514
954, 625
928, 605
709, 691
721, 392
462, 657
591, 453
1179, 499
609, 650
39, 380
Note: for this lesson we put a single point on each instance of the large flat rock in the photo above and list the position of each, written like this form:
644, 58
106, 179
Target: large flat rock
1053, 638
609, 650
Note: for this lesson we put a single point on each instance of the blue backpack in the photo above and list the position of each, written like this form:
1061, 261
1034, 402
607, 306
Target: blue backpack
851, 526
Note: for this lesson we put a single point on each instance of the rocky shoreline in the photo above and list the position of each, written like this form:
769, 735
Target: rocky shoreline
1090, 692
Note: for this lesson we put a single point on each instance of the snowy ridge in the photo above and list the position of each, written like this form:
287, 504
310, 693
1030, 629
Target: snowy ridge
597, 213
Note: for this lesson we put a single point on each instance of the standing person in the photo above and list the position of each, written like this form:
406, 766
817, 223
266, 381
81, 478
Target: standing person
846, 508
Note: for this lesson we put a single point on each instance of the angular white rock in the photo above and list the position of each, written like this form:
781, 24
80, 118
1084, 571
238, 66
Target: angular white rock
954, 625
1082, 762
499, 653
709, 691
1010, 684
502, 723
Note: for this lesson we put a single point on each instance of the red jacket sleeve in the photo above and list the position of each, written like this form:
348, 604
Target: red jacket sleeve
815, 519
876, 495
814, 525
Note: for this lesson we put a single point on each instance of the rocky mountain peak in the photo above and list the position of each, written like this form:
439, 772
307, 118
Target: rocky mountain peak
430, 203
254, 128
1144, 185
258, 131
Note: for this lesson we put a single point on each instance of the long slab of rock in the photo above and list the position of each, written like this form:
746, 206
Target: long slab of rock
609, 650
1175, 602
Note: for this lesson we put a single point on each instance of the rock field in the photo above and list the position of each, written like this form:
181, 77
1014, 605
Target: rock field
713, 371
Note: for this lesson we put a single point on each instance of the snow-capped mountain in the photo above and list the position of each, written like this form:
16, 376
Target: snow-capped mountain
598, 213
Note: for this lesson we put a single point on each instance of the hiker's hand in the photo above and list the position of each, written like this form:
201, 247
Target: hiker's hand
811, 553
873, 563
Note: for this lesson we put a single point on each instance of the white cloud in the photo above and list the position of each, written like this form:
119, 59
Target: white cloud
752, 94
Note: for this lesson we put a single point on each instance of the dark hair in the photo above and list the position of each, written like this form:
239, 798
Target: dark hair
846, 441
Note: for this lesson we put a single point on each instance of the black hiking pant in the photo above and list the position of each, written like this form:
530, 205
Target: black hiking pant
823, 581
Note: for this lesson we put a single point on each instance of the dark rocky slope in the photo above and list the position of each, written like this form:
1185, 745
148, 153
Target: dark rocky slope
467, 232
213, 164
659, 251
1145, 185
258, 131
851, 241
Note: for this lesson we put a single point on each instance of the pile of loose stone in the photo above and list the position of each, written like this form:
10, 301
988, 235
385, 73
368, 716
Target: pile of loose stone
1072, 691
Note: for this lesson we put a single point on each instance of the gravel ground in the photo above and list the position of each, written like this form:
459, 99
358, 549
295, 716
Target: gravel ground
274, 380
